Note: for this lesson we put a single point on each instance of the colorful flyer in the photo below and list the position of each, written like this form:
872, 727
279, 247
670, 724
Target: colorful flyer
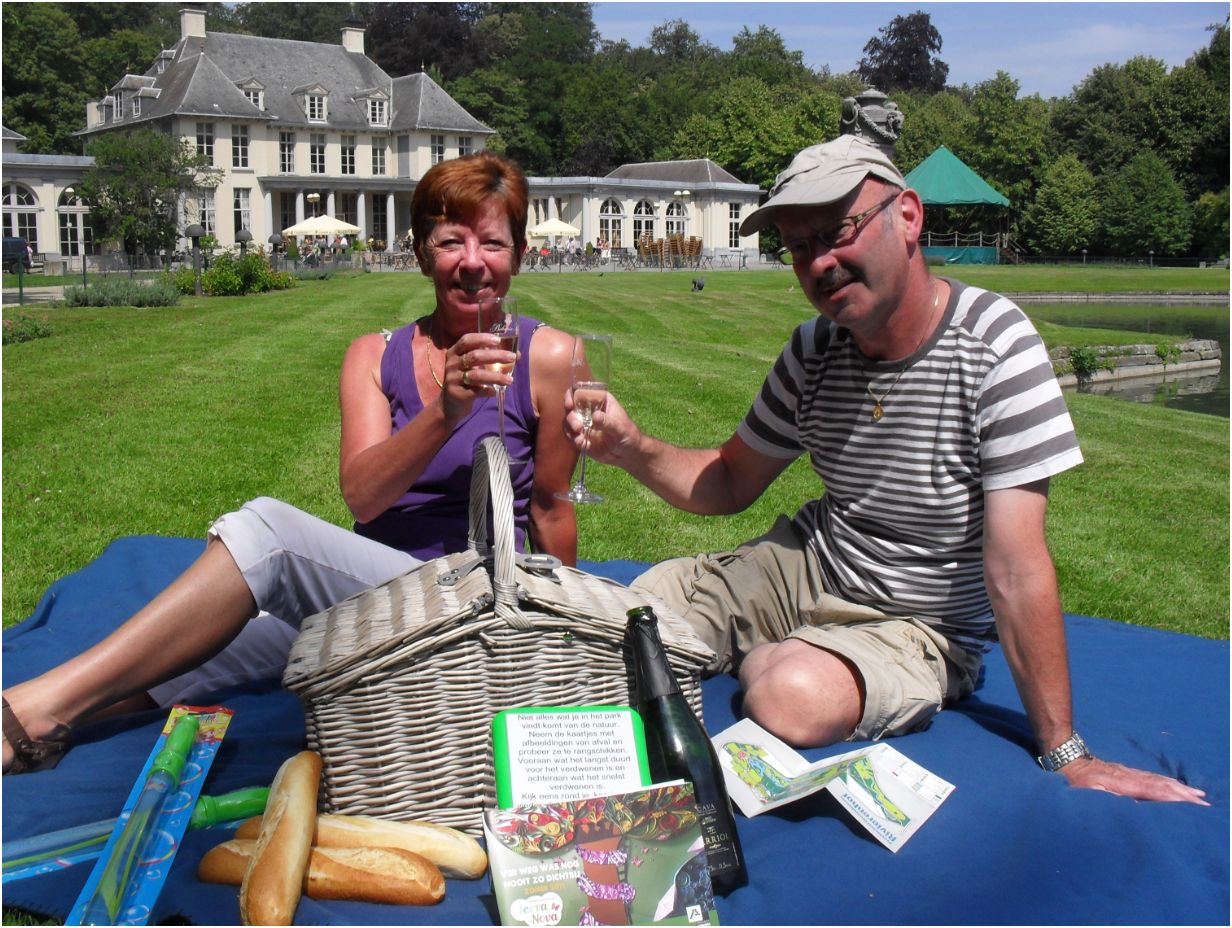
890, 795
632, 859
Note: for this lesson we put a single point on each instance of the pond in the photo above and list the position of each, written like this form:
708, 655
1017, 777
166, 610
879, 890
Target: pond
1197, 391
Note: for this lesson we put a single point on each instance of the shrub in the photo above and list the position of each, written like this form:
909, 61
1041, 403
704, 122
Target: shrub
183, 280
1085, 361
124, 291
23, 328
222, 278
234, 275
257, 276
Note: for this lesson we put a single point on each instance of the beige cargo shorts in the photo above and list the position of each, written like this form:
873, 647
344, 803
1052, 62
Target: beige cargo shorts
770, 589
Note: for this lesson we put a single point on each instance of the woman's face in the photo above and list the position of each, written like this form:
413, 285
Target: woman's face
470, 261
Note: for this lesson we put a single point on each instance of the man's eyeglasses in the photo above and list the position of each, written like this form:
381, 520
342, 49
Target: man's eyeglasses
843, 232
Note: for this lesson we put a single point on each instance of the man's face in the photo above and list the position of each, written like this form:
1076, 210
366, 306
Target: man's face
859, 280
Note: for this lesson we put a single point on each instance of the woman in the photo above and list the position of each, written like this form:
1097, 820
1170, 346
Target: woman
415, 403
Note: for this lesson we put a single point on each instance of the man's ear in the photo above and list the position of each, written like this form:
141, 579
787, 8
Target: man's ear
911, 213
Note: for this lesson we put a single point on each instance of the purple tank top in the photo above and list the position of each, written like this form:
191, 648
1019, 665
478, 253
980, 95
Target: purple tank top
431, 518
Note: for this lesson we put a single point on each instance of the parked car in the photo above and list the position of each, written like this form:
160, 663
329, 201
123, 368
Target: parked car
16, 249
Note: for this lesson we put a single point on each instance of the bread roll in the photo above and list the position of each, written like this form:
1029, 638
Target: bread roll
274, 877
457, 854
357, 874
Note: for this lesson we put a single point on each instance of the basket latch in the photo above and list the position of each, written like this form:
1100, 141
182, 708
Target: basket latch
545, 565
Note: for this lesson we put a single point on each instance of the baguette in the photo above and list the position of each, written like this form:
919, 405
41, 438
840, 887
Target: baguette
457, 854
274, 877
357, 874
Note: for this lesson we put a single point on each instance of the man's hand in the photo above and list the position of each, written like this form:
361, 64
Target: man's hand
1093, 773
611, 436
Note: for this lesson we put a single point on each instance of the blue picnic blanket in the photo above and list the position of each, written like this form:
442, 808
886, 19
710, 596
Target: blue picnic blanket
1011, 845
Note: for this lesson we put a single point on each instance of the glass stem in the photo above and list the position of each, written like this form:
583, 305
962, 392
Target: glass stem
582, 471
500, 407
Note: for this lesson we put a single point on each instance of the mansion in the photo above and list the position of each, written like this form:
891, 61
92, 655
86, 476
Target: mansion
300, 128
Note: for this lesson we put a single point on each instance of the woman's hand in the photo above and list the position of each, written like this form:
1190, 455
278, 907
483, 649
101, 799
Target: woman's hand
473, 369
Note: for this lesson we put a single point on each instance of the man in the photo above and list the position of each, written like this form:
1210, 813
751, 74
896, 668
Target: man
930, 411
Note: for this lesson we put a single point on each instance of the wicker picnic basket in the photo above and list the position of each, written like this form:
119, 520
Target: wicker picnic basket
400, 683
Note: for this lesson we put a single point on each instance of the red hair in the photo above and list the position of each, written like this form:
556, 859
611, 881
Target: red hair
454, 191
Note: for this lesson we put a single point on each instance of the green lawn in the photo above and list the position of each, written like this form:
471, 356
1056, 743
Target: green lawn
155, 421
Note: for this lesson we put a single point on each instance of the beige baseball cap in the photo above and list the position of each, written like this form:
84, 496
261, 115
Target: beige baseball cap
823, 174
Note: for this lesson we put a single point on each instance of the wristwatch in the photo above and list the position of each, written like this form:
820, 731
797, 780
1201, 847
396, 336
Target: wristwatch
1063, 754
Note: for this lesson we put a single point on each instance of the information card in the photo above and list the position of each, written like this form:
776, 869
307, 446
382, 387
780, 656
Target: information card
565, 753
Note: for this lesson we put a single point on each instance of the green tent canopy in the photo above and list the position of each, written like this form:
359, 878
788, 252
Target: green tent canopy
942, 179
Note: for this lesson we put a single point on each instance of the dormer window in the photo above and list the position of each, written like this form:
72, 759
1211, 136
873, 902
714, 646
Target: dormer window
314, 106
118, 112
378, 112
136, 107
256, 98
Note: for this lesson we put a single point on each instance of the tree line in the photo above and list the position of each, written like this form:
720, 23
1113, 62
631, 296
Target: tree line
1134, 160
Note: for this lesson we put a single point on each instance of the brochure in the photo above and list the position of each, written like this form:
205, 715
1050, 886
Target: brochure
888, 794
632, 859
554, 753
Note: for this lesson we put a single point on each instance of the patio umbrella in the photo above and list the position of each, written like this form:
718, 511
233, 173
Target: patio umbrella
553, 227
322, 225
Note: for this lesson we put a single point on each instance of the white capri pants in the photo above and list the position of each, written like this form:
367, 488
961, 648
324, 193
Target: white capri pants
296, 565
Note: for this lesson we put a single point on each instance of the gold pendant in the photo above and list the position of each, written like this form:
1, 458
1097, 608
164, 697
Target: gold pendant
878, 412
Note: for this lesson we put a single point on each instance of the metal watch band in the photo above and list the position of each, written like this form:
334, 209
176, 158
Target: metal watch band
1063, 754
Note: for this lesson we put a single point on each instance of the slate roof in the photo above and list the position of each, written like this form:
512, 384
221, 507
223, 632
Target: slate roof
696, 171
421, 103
201, 78
10, 135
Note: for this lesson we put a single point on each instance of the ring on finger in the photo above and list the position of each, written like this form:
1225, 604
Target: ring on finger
466, 378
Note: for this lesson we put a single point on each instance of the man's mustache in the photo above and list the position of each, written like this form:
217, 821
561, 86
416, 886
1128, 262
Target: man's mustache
834, 278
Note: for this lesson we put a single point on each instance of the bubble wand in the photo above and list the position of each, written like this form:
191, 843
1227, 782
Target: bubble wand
104, 905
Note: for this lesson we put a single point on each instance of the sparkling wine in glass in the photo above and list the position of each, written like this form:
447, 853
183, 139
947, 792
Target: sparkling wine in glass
592, 366
498, 315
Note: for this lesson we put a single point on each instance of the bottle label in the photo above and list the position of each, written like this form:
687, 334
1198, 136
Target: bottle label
719, 855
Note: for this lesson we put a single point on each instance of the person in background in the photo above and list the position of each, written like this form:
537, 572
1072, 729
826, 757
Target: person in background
415, 404
930, 411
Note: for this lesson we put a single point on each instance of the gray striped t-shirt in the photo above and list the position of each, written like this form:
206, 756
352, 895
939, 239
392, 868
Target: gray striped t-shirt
900, 525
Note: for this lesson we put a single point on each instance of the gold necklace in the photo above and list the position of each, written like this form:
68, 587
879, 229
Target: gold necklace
878, 401
428, 351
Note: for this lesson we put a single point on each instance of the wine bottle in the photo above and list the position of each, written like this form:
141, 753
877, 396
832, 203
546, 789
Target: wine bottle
678, 747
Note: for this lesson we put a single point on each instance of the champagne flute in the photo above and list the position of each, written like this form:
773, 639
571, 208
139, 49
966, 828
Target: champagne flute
591, 368
498, 315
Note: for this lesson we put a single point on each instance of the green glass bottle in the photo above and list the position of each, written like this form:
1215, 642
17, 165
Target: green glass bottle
678, 748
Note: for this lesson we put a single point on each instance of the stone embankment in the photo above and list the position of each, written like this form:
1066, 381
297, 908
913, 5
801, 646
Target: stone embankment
1128, 296
1118, 362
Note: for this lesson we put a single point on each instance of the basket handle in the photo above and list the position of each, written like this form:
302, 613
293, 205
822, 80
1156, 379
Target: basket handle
491, 472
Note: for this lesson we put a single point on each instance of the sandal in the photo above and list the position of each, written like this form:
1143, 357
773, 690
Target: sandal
28, 755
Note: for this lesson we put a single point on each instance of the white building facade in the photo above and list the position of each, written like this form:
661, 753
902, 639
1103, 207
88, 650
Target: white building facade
297, 128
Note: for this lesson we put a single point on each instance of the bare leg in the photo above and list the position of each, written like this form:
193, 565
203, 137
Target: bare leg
187, 623
801, 693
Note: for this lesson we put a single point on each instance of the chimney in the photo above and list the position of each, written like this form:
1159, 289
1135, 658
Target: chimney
353, 34
192, 24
